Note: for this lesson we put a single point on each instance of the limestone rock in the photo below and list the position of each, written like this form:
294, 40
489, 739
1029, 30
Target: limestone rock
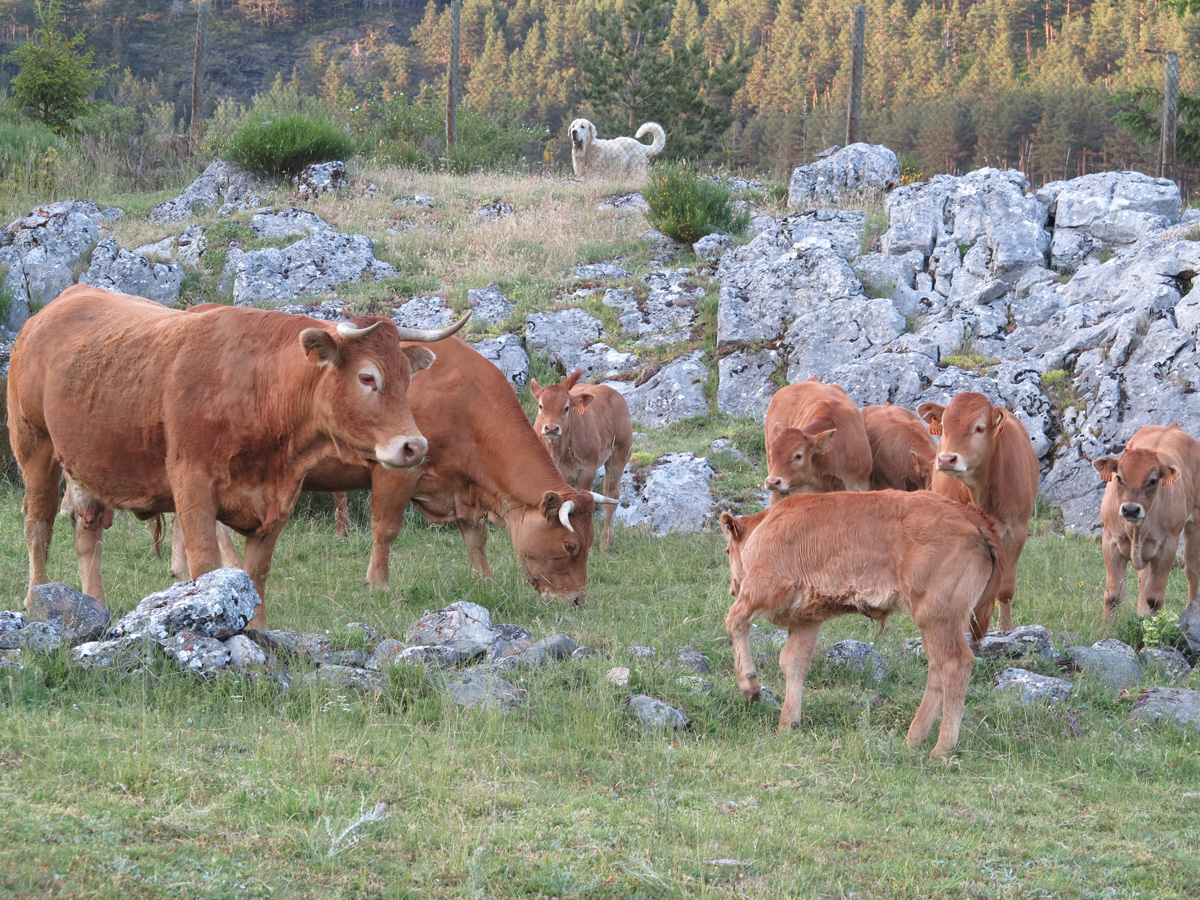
1112, 669
217, 604
489, 305
286, 223
674, 393
79, 617
1175, 704
312, 647
119, 270
858, 657
856, 168
460, 621
484, 690
656, 714
320, 178
674, 496
221, 183
196, 653
506, 353
423, 312
1033, 686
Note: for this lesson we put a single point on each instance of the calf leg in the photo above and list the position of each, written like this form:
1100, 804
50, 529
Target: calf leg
474, 535
795, 660
737, 623
179, 560
1191, 558
259, 549
1116, 565
390, 493
613, 470
1152, 580
41, 473
955, 676
230, 558
341, 509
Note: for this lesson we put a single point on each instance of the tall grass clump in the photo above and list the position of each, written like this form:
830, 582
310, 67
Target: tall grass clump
285, 144
686, 208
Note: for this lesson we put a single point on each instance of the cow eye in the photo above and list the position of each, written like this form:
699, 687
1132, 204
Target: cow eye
566, 409
798, 457
570, 547
979, 429
1152, 482
367, 379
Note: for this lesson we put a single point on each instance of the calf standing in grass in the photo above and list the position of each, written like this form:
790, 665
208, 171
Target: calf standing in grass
902, 451
986, 458
809, 558
1153, 494
585, 427
816, 441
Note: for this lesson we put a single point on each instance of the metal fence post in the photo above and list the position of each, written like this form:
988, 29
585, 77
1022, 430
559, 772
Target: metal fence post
857, 47
1170, 113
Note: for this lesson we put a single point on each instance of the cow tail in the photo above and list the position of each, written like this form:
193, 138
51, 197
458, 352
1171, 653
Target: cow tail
981, 615
157, 525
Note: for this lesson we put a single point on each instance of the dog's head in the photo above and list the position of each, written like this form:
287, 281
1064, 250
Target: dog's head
581, 132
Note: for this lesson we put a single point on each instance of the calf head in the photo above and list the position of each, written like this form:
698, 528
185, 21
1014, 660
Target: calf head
792, 456
1136, 476
361, 392
737, 529
556, 404
552, 544
920, 467
968, 427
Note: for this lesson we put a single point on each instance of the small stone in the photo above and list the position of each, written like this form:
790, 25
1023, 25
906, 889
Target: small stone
618, 675
11, 621
694, 661
1113, 669
767, 697
11, 659
313, 647
346, 676
644, 652
386, 654
354, 658
41, 636
460, 621
588, 653
244, 653
694, 684
80, 617
1033, 686
1112, 645
1168, 660
601, 270
484, 690
197, 653
126, 653
857, 656
415, 200
442, 656
370, 632
1156, 704
497, 209
656, 714
1028, 640
217, 604
1189, 624
557, 646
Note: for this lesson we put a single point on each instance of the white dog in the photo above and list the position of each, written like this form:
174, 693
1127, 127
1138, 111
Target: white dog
622, 157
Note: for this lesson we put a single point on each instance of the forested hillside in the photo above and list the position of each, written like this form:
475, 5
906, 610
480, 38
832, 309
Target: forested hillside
949, 85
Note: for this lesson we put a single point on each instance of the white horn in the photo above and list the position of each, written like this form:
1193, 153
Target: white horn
350, 333
432, 334
564, 513
600, 498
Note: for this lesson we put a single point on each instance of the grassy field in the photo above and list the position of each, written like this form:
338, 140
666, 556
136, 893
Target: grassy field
158, 785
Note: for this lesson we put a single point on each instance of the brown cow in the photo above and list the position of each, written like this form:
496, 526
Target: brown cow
809, 558
902, 451
216, 415
986, 458
585, 427
816, 441
484, 461
1153, 494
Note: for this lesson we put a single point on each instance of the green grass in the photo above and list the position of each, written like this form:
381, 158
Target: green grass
157, 785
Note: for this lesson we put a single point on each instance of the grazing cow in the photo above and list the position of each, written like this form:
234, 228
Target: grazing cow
816, 441
809, 558
216, 415
1153, 494
986, 458
585, 427
484, 460
902, 451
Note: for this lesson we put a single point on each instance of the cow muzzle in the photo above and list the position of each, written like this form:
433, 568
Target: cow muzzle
950, 462
775, 484
552, 432
402, 452
1133, 512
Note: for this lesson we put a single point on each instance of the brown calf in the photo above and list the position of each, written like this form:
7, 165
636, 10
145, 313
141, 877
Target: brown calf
585, 427
1153, 494
902, 451
816, 441
809, 558
986, 458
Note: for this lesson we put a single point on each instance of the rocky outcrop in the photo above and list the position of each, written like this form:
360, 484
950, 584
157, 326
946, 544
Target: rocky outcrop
119, 270
223, 184
856, 168
671, 496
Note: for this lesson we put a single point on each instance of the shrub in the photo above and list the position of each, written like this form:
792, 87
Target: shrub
1160, 630
686, 208
285, 144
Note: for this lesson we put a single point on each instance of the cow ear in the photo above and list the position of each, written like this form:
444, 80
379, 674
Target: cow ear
1106, 466
535, 388
419, 357
1171, 474
320, 346
552, 501
777, 430
729, 524
997, 421
581, 401
823, 442
571, 380
931, 414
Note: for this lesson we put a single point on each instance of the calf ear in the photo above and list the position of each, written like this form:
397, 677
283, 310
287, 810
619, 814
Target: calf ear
823, 442
581, 401
997, 421
777, 430
535, 388
419, 357
1106, 466
320, 346
729, 524
1170, 475
571, 380
931, 414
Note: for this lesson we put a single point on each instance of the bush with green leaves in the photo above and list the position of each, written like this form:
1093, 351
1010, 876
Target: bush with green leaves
411, 131
686, 208
1161, 630
284, 144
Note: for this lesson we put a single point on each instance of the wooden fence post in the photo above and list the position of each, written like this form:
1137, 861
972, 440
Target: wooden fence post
453, 76
858, 46
198, 66
1170, 113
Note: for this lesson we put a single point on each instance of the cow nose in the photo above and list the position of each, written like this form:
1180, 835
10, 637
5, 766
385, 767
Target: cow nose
773, 484
551, 430
1131, 510
402, 452
947, 460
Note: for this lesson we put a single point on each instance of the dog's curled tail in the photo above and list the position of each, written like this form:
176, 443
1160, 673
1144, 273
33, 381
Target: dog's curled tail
660, 137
